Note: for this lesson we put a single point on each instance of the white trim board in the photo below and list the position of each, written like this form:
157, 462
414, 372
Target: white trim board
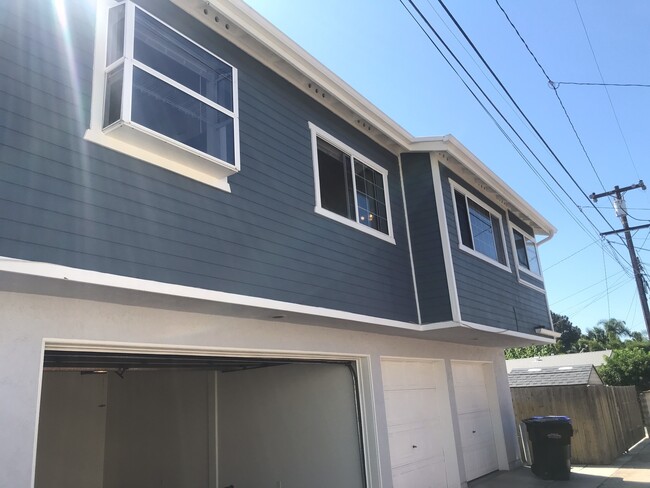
364, 388
81, 276
444, 238
355, 157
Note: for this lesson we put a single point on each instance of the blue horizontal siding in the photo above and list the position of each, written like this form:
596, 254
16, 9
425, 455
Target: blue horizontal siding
66, 201
426, 242
488, 294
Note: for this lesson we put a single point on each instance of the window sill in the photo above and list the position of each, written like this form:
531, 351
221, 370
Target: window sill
141, 144
353, 224
532, 286
530, 273
483, 257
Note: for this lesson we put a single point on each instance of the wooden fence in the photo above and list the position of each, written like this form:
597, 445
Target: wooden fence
606, 419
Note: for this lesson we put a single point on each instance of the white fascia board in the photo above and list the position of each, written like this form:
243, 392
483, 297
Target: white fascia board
453, 147
10, 267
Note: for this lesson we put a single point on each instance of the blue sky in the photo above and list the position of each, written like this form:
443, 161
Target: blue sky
377, 48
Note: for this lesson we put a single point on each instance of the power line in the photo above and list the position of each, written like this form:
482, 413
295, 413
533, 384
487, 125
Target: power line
609, 97
532, 126
553, 86
501, 129
585, 288
585, 83
546, 268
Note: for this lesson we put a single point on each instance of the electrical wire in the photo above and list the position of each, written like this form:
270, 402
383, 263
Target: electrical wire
585, 288
546, 268
532, 126
583, 83
554, 86
614, 254
609, 97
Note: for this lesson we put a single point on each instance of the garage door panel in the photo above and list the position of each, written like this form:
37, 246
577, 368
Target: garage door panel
407, 374
428, 473
414, 443
480, 460
405, 406
471, 399
474, 419
476, 428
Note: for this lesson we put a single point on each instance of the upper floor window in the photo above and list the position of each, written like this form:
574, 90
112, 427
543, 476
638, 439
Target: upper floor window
350, 188
479, 229
526, 250
163, 94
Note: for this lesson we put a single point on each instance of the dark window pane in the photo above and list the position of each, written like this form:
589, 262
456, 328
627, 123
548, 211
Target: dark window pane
482, 232
168, 111
174, 56
335, 177
520, 247
115, 47
498, 239
533, 261
463, 220
113, 97
368, 204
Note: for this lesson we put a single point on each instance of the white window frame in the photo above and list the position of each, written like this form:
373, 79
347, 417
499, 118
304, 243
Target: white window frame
138, 141
526, 236
455, 187
318, 133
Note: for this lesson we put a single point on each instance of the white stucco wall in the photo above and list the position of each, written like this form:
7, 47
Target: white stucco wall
26, 320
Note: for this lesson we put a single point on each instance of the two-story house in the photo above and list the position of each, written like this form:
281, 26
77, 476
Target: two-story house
222, 266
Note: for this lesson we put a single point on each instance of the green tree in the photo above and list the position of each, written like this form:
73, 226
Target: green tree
568, 341
531, 351
606, 335
627, 367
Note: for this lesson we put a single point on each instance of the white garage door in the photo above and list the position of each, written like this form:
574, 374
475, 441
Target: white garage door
415, 430
474, 419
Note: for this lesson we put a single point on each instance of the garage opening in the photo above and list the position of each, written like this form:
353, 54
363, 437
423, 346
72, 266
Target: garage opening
144, 420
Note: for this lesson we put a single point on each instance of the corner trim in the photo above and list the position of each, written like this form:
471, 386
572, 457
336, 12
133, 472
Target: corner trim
408, 240
444, 238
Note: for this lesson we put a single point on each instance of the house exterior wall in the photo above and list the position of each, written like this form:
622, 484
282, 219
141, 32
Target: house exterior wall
426, 239
71, 202
481, 285
27, 320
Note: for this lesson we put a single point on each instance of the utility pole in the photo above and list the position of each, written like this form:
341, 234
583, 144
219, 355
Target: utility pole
621, 212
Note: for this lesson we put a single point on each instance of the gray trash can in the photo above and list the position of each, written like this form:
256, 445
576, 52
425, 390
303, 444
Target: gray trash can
550, 438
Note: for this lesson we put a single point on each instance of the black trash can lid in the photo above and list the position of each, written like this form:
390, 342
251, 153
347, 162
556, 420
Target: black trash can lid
547, 418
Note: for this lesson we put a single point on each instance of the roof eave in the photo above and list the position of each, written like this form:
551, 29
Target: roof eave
246, 28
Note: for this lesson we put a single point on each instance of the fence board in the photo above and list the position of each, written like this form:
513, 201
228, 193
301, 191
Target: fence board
606, 419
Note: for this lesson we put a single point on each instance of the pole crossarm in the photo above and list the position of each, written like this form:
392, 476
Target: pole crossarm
621, 212
617, 191
636, 227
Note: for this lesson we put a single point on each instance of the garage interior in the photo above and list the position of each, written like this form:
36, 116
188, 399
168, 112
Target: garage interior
144, 420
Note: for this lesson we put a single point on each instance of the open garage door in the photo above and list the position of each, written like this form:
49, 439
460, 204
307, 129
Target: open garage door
120, 420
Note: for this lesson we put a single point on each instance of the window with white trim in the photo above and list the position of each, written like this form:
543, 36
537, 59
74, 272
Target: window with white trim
526, 250
164, 94
479, 228
349, 187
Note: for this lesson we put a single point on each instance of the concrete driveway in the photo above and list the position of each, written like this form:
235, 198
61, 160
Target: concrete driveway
630, 471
